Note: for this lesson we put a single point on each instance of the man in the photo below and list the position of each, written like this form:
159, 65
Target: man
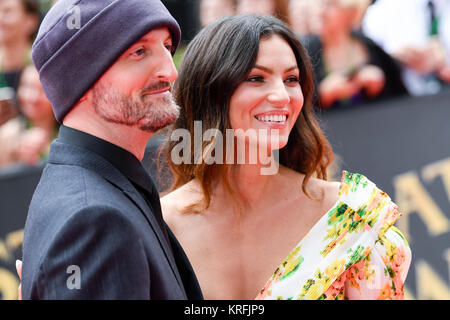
94, 228
417, 34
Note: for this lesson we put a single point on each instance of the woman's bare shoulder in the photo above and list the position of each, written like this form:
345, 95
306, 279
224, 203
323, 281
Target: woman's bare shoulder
317, 188
327, 191
331, 191
330, 187
172, 203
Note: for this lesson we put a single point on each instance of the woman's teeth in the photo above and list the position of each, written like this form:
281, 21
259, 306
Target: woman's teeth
273, 118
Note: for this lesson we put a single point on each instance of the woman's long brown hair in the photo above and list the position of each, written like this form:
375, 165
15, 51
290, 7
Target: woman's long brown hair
215, 63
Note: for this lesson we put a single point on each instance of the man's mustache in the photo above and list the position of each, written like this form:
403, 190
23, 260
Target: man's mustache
157, 86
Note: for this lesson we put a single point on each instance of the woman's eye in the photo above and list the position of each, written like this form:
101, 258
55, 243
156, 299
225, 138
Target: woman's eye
255, 79
293, 79
169, 47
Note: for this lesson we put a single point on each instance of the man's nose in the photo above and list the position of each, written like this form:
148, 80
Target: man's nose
166, 70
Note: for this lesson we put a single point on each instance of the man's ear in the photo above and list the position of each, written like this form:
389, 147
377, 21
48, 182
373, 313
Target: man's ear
86, 95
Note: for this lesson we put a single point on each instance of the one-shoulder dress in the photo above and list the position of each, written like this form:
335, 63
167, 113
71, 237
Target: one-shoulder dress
353, 252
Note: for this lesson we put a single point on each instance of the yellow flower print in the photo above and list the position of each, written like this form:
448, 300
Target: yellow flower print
292, 263
335, 269
315, 291
391, 250
344, 190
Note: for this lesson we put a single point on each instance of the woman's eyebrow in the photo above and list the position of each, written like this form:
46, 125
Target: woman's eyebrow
268, 70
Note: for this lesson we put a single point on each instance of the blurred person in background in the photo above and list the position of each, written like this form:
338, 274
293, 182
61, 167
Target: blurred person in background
349, 68
211, 10
361, 9
416, 33
303, 16
276, 8
26, 139
19, 20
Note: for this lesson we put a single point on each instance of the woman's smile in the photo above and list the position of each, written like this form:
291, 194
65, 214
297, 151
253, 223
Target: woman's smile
274, 119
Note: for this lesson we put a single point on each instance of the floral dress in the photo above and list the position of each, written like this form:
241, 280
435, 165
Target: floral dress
353, 252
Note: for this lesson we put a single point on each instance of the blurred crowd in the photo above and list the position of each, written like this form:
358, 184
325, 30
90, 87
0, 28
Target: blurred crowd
27, 123
361, 50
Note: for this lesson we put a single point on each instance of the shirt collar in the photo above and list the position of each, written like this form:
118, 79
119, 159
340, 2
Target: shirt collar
121, 159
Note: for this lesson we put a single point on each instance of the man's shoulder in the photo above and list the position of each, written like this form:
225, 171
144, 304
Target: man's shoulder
73, 197
72, 174
66, 189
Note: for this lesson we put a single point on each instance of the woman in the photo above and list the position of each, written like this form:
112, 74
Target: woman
241, 229
19, 20
303, 16
350, 68
26, 139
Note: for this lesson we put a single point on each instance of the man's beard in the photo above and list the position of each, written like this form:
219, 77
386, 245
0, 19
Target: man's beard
148, 113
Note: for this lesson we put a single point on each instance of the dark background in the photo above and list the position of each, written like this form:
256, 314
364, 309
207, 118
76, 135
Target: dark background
186, 13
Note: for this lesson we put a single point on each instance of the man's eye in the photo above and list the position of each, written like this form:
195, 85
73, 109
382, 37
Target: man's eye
138, 53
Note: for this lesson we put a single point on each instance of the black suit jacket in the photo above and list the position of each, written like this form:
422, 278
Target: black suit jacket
86, 213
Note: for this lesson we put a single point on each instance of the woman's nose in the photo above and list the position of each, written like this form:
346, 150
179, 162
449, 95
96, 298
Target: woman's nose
278, 95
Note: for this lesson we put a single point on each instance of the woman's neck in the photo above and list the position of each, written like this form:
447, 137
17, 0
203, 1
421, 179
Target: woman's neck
251, 186
249, 183
12, 55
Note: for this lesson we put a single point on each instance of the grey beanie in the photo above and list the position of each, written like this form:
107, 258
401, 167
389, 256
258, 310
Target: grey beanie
72, 55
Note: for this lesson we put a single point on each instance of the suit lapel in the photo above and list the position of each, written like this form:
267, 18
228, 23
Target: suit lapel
190, 281
135, 197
